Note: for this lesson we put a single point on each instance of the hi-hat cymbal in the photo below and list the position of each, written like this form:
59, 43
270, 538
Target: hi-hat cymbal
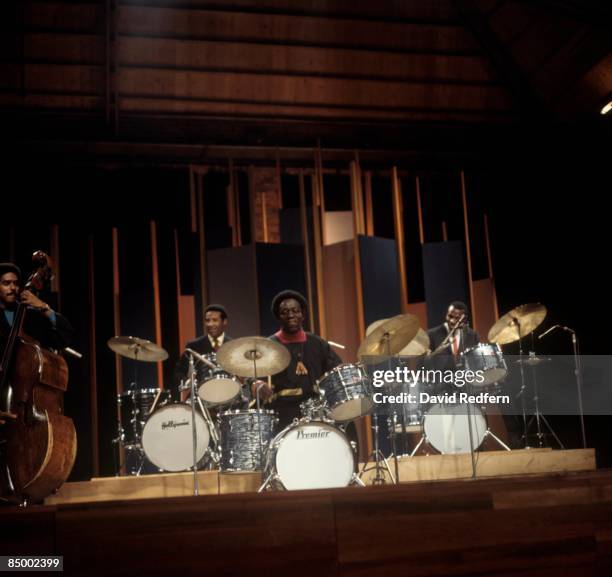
390, 337
237, 357
524, 317
137, 349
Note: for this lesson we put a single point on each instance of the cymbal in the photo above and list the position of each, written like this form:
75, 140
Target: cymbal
375, 325
419, 345
236, 357
137, 349
390, 337
506, 329
533, 361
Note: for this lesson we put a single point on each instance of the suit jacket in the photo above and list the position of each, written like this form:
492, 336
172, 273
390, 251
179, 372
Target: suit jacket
200, 345
469, 338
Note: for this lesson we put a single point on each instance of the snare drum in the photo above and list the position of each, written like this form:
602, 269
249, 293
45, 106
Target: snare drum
446, 427
167, 437
241, 445
347, 391
487, 358
134, 409
310, 455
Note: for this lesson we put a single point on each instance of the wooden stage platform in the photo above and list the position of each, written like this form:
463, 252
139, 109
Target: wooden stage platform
421, 468
544, 525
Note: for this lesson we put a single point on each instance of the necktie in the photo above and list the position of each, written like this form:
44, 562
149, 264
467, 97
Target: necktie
456, 344
215, 344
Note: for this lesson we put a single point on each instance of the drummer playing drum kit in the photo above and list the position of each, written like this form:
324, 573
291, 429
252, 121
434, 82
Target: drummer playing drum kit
314, 451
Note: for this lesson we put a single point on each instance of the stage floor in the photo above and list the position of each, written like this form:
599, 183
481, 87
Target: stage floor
420, 468
543, 525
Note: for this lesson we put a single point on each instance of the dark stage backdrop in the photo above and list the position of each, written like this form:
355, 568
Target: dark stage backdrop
548, 224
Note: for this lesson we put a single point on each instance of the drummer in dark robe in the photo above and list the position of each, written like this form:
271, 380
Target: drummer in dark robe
311, 358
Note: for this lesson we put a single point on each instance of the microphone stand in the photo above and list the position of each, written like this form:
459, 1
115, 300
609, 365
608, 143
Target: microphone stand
577, 374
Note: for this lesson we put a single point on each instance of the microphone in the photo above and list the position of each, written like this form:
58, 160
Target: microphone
550, 330
201, 358
567, 329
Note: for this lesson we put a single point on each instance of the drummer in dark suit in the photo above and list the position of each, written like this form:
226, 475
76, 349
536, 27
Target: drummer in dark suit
464, 337
311, 358
215, 325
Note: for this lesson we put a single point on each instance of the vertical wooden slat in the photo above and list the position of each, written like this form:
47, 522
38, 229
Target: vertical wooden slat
177, 271
192, 199
279, 182
55, 257
398, 223
490, 265
117, 327
318, 239
201, 239
444, 231
231, 206
93, 381
264, 217
357, 198
236, 193
320, 192
156, 299
306, 241
369, 208
468, 252
117, 308
420, 211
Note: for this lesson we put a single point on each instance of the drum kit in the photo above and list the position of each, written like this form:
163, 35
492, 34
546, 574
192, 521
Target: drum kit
313, 451
447, 427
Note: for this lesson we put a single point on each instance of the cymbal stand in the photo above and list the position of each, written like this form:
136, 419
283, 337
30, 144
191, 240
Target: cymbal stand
376, 454
193, 425
521, 393
538, 416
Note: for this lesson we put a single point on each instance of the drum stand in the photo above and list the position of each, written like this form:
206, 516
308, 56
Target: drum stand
378, 458
538, 416
376, 455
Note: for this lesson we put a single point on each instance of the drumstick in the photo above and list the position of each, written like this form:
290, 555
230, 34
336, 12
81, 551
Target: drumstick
155, 401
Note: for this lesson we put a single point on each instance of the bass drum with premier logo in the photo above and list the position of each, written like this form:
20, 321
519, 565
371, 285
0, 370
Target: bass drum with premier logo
167, 437
310, 455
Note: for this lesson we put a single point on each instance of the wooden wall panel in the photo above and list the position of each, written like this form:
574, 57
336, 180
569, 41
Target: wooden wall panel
290, 59
56, 78
256, 88
64, 16
341, 298
49, 46
250, 27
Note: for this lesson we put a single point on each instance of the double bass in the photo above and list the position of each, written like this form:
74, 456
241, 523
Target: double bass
40, 442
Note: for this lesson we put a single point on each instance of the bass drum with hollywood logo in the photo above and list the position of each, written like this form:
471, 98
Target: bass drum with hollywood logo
167, 437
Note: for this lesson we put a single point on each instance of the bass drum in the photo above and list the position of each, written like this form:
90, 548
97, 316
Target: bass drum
446, 427
167, 437
310, 455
